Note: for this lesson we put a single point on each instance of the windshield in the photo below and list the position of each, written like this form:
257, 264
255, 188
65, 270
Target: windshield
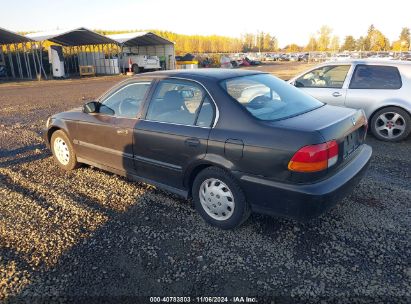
269, 98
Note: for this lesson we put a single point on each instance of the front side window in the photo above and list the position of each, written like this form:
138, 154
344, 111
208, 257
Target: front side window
269, 98
126, 101
375, 77
180, 102
332, 76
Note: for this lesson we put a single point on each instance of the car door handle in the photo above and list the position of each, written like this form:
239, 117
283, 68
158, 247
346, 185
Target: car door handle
336, 94
122, 131
192, 142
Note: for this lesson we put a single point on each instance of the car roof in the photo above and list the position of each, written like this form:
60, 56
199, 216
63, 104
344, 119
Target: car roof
369, 61
208, 73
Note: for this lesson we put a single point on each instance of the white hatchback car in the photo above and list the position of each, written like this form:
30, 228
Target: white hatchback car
382, 88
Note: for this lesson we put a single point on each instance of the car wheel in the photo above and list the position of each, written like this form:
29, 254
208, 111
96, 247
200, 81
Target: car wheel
219, 199
63, 151
391, 124
135, 69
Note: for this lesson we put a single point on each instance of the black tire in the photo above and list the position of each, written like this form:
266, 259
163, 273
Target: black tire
389, 112
71, 155
135, 69
241, 210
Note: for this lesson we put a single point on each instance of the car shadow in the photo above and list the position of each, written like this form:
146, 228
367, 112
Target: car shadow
159, 246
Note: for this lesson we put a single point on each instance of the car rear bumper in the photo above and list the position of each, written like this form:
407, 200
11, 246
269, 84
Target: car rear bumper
304, 201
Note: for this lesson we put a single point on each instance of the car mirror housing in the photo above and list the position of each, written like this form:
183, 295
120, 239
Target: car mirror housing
91, 107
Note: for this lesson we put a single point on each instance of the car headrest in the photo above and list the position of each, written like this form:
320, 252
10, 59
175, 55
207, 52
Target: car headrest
174, 100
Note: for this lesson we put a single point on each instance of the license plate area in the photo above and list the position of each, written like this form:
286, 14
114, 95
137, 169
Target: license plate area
351, 143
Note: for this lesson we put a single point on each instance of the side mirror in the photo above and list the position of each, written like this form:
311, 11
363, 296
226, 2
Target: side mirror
298, 84
91, 107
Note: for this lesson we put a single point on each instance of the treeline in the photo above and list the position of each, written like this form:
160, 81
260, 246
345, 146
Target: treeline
249, 42
374, 41
323, 40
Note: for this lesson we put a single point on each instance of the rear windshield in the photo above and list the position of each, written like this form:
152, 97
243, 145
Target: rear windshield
269, 98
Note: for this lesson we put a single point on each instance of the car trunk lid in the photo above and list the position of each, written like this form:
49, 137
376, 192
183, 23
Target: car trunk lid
346, 126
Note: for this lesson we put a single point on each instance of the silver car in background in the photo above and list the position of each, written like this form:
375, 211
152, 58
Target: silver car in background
382, 88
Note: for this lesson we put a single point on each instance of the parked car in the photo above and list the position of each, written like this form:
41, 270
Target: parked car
341, 57
405, 56
318, 57
195, 133
252, 61
383, 56
381, 88
283, 57
293, 57
269, 57
303, 57
140, 63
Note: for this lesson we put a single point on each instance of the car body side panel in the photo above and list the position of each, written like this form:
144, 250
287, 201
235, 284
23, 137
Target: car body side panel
256, 152
368, 100
96, 138
335, 97
266, 150
332, 96
304, 201
163, 151
372, 100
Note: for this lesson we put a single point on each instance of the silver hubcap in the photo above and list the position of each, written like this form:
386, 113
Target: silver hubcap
217, 199
61, 151
390, 125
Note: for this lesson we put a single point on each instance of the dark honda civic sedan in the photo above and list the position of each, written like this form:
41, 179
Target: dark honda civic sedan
234, 141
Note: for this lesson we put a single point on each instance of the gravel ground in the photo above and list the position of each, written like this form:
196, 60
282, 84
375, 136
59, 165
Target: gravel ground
88, 234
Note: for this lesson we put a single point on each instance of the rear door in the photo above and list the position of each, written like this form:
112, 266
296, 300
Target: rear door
326, 83
174, 131
372, 84
106, 137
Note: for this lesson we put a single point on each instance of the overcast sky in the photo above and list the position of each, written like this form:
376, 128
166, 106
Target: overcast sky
290, 21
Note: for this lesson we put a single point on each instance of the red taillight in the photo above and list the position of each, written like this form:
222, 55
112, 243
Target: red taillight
315, 157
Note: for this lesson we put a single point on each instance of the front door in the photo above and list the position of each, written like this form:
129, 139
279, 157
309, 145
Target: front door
174, 132
106, 137
325, 83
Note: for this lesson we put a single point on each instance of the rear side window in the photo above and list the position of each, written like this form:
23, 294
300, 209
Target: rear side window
375, 77
206, 115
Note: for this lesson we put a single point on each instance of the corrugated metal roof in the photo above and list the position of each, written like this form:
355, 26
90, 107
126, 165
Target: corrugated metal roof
139, 39
75, 37
8, 37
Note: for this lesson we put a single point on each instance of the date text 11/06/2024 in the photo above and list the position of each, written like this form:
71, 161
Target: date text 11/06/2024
203, 300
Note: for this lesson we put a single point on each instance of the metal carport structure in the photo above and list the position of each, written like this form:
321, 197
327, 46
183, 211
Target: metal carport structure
75, 42
75, 37
8, 39
146, 43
